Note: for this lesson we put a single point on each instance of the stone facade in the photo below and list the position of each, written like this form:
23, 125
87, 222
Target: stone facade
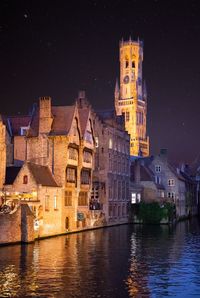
131, 97
112, 169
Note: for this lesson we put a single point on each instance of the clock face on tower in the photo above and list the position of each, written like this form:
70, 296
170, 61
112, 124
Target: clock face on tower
126, 79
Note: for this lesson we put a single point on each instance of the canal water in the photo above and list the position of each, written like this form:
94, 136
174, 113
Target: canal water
121, 261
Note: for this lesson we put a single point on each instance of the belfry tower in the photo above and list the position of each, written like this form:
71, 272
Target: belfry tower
131, 97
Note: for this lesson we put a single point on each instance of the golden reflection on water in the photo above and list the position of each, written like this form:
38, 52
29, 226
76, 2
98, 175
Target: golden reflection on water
137, 280
117, 262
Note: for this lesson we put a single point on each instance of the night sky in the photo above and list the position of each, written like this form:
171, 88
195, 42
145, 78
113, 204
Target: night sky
57, 48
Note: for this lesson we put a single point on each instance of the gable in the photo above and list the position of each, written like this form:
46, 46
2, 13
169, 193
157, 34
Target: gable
19, 184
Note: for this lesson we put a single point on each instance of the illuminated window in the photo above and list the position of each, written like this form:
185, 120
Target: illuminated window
110, 145
47, 203
171, 182
133, 198
96, 142
138, 198
68, 198
55, 202
25, 179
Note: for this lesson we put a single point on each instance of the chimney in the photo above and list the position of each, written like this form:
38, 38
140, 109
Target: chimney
82, 100
45, 118
163, 153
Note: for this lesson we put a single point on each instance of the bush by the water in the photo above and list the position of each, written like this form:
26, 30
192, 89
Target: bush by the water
154, 212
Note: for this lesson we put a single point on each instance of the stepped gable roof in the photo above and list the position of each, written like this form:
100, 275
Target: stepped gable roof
62, 119
42, 175
11, 174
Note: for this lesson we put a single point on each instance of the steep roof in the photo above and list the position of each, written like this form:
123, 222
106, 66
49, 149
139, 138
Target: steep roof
83, 117
42, 175
145, 174
34, 126
14, 123
62, 119
11, 174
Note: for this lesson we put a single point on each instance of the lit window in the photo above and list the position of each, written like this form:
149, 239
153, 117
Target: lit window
171, 182
96, 142
138, 198
55, 202
25, 179
47, 202
157, 169
133, 198
110, 145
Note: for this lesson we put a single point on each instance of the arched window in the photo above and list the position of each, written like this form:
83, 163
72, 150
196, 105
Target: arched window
25, 179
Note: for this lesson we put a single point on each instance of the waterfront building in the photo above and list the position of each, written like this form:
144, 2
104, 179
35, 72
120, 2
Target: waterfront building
131, 96
155, 179
111, 174
61, 140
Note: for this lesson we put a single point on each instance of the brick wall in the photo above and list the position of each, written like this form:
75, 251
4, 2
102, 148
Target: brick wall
17, 227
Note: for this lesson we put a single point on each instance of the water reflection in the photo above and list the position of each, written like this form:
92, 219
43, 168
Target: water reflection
123, 261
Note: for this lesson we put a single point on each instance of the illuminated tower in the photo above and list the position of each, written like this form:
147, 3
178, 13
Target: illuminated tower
131, 96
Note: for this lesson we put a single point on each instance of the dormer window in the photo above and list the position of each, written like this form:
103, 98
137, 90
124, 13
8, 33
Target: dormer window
23, 130
157, 168
25, 179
